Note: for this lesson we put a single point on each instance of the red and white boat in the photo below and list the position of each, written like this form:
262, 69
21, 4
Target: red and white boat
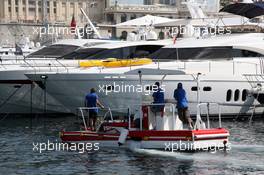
162, 130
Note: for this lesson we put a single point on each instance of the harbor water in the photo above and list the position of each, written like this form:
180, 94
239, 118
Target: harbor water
17, 154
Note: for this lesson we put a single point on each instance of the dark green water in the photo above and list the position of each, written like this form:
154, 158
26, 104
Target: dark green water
17, 155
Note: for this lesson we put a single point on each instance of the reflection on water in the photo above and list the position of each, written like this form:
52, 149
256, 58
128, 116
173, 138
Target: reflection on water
17, 156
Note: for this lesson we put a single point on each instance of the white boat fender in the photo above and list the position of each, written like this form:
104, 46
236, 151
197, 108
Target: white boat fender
123, 136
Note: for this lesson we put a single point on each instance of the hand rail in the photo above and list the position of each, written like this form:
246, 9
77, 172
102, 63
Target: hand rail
198, 116
157, 64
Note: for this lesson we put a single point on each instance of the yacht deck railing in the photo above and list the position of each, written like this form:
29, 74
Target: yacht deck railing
62, 66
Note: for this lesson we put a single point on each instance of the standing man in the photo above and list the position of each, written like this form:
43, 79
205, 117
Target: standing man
91, 101
157, 107
158, 97
182, 105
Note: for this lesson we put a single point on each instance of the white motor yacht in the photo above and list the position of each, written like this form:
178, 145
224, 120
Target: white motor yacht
18, 95
221, 62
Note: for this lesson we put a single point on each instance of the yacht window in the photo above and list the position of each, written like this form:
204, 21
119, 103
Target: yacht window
108, 53
229, 95
207, 88
245, 53
53, 51
165, 54
126, 52
82, 53
194, 88
193, 53
236, 97
244, 94
145, 50
202, 53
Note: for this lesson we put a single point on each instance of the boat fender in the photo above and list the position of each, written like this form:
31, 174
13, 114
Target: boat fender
123, 136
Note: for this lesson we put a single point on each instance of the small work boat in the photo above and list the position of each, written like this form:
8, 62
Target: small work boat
159, 130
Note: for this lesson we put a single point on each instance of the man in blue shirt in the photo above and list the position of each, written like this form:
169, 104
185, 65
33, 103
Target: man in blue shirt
158, 98
91, 101
182, 105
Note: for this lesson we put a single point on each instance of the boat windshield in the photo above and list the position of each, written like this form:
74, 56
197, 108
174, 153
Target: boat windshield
53, 51
202, 53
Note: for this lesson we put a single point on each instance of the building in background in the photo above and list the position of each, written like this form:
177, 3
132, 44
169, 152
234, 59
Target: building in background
117, 11
100, 11
51, 11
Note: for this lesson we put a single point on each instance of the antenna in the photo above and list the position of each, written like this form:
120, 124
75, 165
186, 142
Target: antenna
91, 24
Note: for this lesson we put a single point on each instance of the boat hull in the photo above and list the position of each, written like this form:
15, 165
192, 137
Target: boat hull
70, 90
178, 140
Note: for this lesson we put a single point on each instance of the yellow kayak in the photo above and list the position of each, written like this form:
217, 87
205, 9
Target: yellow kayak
113, 62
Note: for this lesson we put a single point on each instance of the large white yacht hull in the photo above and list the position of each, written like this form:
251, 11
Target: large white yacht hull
70, 90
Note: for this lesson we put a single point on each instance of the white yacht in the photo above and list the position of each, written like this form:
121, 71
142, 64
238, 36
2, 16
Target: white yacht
19, 95
222, 63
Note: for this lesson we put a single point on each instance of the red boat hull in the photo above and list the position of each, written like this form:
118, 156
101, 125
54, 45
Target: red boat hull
196, 139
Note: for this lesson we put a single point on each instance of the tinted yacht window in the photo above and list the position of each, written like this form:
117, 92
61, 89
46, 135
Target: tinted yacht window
202, 53
53, 51
82, 53
112, 53
193, 53
205, 53
145, 50
245, 53
126, 52
165, 53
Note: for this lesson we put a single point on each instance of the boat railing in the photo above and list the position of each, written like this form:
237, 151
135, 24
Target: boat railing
57, 65
199, 122
108, 113
165, 110
255, 80
37, 64
105, 113
234, 69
